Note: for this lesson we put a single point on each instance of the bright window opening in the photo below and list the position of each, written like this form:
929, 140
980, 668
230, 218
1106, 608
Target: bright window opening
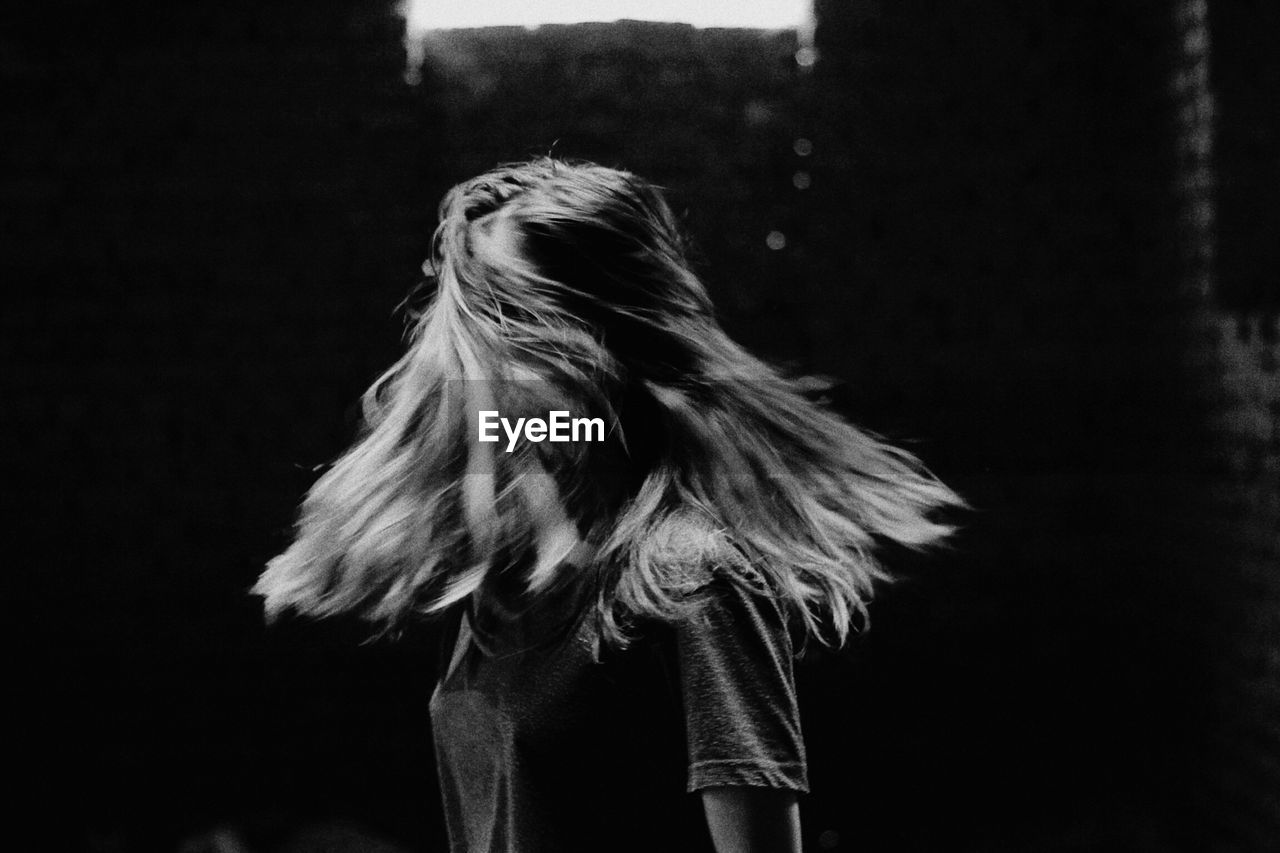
424, 15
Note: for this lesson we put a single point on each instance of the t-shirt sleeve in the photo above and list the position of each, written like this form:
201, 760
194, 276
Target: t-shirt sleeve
734, 656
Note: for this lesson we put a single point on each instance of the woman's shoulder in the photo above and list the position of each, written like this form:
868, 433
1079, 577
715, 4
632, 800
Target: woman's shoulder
699, 555
729, 599
733, 572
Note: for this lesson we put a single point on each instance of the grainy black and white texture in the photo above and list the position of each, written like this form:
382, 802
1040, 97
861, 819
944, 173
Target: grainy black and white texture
1038, 237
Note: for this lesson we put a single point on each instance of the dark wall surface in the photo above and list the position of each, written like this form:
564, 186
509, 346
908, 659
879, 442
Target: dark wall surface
1031, 239
210, 215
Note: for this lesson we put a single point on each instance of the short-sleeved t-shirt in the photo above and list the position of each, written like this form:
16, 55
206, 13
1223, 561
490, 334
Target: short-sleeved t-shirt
545, 749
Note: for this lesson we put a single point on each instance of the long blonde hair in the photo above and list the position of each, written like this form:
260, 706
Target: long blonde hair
565, 286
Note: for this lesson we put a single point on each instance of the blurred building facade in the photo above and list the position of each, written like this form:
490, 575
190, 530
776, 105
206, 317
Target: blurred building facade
210, 213
1043, 226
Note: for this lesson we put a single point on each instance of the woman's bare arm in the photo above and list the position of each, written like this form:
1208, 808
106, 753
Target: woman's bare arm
752, 820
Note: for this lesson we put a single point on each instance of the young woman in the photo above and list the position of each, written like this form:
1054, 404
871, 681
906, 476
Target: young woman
625, 521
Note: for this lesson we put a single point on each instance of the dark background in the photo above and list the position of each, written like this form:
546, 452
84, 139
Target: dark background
1038, 241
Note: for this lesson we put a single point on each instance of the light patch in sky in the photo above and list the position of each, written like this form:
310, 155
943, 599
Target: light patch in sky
423, 15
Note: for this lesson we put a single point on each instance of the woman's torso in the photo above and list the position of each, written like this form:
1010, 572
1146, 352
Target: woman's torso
543, 747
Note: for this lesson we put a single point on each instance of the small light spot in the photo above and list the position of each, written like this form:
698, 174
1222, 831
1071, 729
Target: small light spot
776, 240
829, 840
806, 56
801, 180
803, 147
